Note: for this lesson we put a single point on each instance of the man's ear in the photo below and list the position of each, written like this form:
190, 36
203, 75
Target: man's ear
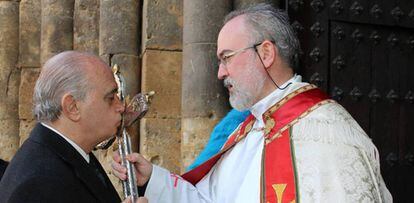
70, 107
268, 53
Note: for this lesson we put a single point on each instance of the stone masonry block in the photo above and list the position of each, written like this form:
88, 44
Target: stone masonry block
57, 27
161, 72
86, 26
203, 93
162, 24
9, 93
195, 134
9, 33
118, 27
203, 20
27, 83
26, 127
238, 4
160, 142
30, 16
9, 138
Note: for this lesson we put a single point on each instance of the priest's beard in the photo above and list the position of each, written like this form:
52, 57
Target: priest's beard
244, 92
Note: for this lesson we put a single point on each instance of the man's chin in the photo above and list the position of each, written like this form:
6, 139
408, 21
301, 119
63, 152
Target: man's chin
238, 106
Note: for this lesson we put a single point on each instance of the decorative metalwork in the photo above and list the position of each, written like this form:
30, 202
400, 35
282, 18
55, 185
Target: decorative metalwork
339, 33
410, 42
392, 159
316, 79
409, 159
397, 13
355, 94
393, 40
411, 15
297, 27
376, 11
357, 36
337, 93
356, 8
409, 97
392, 96
317, 5
375, 37
337, 7
339, 62
316, 54
296, 4
374, 96
317, 30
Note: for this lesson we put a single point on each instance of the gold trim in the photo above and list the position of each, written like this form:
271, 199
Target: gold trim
287, 98
278, 134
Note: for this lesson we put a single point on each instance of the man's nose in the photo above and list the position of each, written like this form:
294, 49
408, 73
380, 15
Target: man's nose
222, 72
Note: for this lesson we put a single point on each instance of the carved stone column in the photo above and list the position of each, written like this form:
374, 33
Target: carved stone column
204, 101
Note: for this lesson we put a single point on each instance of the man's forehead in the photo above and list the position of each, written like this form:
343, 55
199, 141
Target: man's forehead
233, 35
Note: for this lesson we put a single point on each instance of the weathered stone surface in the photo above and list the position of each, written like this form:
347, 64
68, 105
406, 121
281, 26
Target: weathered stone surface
162, 73
118, 27
162, 24
9, 78
57, 27
203, 20
160, 142
9, 93
106, 58
9, 138
238, 4
9, 34
27, 83
194, 137
26, 126
30, 16
86, 26
203, 95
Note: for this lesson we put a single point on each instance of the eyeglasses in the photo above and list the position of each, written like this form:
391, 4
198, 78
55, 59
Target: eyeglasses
225, 59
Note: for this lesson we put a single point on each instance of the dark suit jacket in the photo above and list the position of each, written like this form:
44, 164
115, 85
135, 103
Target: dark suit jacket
48, 169
3, 165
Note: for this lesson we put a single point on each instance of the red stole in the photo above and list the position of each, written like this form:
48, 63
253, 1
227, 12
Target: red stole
278, 182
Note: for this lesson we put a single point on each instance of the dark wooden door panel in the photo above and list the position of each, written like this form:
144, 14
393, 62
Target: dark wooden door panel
362, 53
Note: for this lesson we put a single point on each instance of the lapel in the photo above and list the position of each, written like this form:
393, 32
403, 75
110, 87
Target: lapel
78, 164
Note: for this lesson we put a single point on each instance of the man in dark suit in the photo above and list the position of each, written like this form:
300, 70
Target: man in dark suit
76, 105
3, 165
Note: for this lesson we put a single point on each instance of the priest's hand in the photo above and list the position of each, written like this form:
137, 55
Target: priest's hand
143, 168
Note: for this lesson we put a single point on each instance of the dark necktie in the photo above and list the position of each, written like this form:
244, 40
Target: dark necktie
94, 164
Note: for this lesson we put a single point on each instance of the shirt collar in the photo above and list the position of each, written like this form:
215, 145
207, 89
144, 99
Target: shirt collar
74, 145
260, 107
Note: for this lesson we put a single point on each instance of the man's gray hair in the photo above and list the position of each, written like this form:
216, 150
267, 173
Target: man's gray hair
61, 74
267, 23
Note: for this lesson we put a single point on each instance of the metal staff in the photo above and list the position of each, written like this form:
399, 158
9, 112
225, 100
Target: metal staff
135, 110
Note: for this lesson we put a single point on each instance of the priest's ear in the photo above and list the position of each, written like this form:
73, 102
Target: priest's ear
70, 107
268, 53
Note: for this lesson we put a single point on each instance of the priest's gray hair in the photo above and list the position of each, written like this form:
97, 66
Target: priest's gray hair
63, 73
267, 23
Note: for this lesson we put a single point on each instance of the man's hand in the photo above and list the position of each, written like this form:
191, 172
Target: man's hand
143, 167
139, 200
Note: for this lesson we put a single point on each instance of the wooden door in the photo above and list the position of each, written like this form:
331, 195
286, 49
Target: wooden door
362, 53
